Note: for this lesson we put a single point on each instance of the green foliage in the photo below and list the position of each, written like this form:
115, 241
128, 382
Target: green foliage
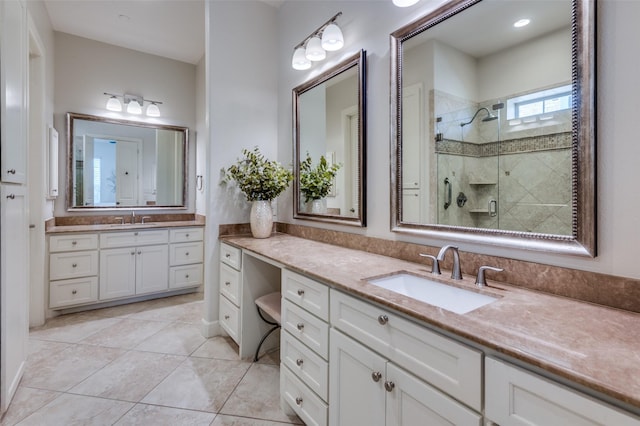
257, 177
315, 182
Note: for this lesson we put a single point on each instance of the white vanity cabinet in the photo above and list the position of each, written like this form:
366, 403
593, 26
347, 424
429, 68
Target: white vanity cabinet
230, 287
515, 396
186, 253
73, 269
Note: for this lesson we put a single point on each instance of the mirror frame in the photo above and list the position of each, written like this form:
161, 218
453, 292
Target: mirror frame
357, 60
71, 116
582, 242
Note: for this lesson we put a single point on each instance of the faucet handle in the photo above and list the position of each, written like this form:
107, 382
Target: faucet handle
435, 266
144, 218
480, 279
120, 218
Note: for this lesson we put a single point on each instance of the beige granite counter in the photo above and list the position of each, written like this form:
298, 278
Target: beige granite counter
76, 224
119, 227
594, 346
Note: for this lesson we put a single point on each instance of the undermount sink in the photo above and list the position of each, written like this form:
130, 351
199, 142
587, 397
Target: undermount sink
447, 297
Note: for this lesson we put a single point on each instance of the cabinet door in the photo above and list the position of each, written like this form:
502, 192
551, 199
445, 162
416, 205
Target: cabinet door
118, 273
152, 270
356, 384
13, 87
410, 401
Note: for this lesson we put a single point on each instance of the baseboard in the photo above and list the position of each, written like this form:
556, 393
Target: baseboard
211, 328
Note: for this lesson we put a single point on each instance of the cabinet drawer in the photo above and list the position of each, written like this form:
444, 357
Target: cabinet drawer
307, 328
517, 397
444, 363
133, 238
73, 242
185, 253
230, 283
230, 318
231, 256
73, 264
185, 276
73, 292
308, 406
305, 364
306, 293
184, 235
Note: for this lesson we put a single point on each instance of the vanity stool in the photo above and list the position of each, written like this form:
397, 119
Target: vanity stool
270, 305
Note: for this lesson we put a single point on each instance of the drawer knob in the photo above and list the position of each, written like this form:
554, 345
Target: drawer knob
139, 251
376, 376
186, 254
186, 276
227, 255
389, 385
187, 235
227, 283
383, 319
299, 401
73, 243
135, 233
226, 317
300, 292
133, 253
11, 196
299, 362
11, 171
300, 326
74, 291
74, 265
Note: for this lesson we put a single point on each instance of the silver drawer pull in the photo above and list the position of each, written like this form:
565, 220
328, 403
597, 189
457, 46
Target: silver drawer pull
226, 317
73, 243
388, 385
11, 196
299, 362
227, 283
139, 251
383, 319
11, 171
74, 291
186, 254
299, 401
186, 276
74, 265
227, 255
133, 253
376, 376
300, 326
135, 233
187, 235
300, 292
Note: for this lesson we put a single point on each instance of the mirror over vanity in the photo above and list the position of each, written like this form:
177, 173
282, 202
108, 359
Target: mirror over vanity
116, 163
329, 125
493, 124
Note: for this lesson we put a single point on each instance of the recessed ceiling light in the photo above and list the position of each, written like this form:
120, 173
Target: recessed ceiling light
521, 23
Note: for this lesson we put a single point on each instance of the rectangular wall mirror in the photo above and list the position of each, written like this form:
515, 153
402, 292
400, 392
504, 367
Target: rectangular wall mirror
493, 124
115, 163
329, 119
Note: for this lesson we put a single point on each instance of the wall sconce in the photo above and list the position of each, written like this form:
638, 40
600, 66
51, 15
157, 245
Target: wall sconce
328, 37
405, 3
134, 104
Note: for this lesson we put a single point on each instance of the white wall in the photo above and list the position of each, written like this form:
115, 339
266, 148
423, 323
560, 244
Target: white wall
85, 69
367, 25
201, 137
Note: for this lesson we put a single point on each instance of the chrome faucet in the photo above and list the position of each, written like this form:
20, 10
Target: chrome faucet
435, 266
481, 281
144, 218
456, 272
133, 217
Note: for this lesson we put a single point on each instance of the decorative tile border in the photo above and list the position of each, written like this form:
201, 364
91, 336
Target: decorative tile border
510, 146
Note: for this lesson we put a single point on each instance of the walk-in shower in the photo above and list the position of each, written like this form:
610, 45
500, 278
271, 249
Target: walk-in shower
489, 117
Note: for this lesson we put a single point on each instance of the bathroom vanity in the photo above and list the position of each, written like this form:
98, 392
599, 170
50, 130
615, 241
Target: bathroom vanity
356, 353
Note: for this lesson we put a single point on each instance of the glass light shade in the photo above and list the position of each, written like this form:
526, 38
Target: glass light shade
300, 61
113, 104
133, 107
314, 51
153, 110
332, 38
405, 3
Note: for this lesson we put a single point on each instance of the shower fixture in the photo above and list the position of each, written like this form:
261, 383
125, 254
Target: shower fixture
489, 117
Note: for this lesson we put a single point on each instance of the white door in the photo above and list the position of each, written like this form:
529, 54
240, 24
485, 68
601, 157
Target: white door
118, 273
14, 294
356, 383
127, 173
152, 269
413, 167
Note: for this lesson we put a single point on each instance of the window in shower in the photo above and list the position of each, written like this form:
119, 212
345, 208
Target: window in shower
538, 104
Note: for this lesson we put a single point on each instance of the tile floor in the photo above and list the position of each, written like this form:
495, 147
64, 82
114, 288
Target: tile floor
143, 364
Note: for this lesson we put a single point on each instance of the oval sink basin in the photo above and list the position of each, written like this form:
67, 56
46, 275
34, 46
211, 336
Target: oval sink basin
447, 297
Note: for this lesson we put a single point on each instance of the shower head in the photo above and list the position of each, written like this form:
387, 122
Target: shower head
489, 117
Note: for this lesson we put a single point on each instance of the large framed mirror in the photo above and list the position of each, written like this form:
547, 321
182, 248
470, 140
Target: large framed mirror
493, 125
114, 163
329, 125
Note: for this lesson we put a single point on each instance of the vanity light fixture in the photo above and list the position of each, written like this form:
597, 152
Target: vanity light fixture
328, 37
405, 3
134, 104
521, 23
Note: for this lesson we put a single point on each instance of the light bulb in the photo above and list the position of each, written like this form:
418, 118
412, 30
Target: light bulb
113, 104
300, 61
133, 107
405, 3
153, 110
332, 38
314, 51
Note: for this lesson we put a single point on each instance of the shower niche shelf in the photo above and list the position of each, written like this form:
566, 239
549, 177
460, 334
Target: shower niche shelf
482, 182
485, 210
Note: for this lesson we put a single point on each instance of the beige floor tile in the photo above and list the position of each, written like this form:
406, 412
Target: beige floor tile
222, 420
199, 384
78, 410
258, 395
125, 334
143, 414
184, 311
176, 339
119, 310
40, 349
218, 348
25, 402
130, 377
63, 369
70, 328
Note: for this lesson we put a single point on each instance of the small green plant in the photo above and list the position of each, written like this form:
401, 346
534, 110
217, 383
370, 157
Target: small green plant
257, 177
315, 182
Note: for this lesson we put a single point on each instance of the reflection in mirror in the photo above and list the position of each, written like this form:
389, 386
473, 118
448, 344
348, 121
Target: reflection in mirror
494, 130
329, 125
116, 163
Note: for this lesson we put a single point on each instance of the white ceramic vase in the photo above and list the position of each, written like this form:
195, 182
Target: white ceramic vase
319, 206
261, 219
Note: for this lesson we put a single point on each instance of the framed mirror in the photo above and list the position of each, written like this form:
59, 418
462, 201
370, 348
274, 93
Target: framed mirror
493, 125
329, 125
114, 163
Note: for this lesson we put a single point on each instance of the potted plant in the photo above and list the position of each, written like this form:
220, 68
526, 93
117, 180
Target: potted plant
260, 180
316, 182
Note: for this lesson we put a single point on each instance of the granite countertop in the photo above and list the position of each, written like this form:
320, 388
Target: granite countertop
58, 229
592, 345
